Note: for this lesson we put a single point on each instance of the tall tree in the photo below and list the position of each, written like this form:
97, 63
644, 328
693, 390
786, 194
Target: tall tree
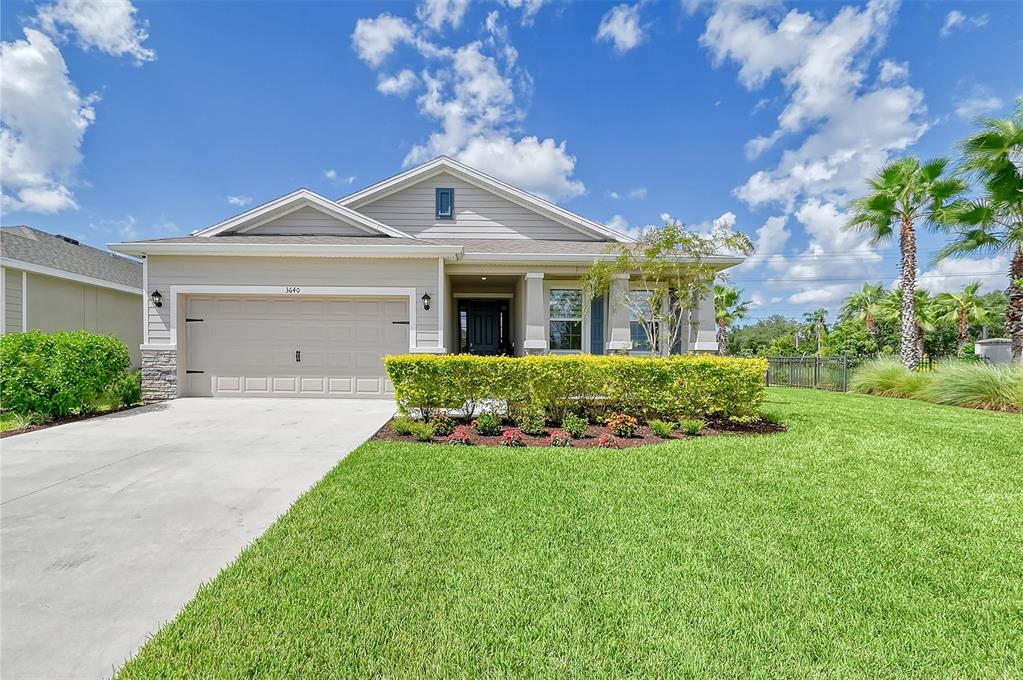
816, 326
893, 308
865, 305
902, 194
963, 308
728, 308
994, 222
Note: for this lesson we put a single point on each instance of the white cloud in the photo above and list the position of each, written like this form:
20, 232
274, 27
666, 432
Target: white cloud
621, 27
472, 92
42, 123
539, 166
638, 193
618, 223
239, 201
334, 177
954, 274
529, 8
615, 195
399, 84
330, 174
957, 20
436, 13
770, 243
375, 39
892, 70
978, 104
109, 26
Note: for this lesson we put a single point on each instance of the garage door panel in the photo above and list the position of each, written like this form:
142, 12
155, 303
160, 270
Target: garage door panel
246, 346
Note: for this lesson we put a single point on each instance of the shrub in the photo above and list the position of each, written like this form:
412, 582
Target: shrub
512, 437
682, 386
662, 428
576, 425
975, 385
488, 424
460, 436
423, 432
532, 420
691, 427
402, 425
55, 374
559, 439
887, 378
443, 424
607, 441
622, 425
127, 391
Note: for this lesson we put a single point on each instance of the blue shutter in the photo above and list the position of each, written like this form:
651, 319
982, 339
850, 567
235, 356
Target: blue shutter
445, 203
597, 326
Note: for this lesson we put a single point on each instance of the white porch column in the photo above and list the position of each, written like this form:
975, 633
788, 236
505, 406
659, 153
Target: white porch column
619, 337
706, 325
535, 341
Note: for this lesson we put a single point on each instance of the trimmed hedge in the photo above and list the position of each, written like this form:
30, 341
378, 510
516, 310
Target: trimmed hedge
56, 374
683, 386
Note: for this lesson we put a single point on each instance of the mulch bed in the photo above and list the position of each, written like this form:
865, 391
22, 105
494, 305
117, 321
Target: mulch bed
644, 435
65, 420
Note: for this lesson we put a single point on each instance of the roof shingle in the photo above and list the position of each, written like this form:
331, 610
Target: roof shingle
47, 250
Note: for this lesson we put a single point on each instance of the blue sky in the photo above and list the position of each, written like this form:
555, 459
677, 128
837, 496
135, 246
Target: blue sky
125, 121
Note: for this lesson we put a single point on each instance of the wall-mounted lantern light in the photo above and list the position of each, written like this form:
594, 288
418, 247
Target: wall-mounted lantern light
426, 301
156, 298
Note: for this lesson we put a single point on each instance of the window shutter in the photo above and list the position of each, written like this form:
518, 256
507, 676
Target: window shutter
597, 325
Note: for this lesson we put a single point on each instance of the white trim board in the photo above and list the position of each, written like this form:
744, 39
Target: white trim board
298, 291
70, 276
143, 248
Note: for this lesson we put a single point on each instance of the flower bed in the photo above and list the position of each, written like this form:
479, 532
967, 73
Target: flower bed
644, 435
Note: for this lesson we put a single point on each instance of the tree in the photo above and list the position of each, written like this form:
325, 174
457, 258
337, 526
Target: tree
962, 309
772, 335
865, 305
674, 268
893, 308
994, 222
816, 326
727, 310
902, 194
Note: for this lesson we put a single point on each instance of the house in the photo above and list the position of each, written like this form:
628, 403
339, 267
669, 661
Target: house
304, 296
53, 283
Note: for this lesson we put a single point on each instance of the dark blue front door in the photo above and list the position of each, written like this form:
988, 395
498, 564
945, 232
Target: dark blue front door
484, 327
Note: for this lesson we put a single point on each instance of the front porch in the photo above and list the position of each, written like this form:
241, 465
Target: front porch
503, 311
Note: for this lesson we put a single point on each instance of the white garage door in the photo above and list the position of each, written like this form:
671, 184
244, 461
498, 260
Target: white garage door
302, 347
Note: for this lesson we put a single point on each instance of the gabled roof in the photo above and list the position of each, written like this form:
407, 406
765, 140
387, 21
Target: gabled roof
483, 181
52, 255
297, 200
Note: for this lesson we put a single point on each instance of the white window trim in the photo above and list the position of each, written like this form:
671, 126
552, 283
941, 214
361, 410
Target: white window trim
566, 285
303, 291
641, 352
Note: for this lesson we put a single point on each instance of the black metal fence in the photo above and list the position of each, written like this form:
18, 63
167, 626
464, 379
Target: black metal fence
822, 373
825, 373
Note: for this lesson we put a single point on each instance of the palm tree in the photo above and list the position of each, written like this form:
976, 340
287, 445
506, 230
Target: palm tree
963, 309
994, 222
727, 309
892, 309
816, 326
865, 305
901, 194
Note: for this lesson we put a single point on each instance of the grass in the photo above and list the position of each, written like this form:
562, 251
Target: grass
876, 538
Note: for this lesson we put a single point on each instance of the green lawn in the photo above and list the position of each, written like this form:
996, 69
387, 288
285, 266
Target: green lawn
878, 537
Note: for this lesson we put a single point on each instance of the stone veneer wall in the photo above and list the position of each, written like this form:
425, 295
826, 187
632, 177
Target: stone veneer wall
159, 374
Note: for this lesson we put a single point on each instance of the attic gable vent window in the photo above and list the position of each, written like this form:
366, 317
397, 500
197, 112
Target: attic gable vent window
445, 204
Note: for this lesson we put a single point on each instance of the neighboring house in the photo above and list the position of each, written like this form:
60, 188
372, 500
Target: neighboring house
304, 296
54, 283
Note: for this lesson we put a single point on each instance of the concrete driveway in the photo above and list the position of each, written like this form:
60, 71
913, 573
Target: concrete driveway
110, 525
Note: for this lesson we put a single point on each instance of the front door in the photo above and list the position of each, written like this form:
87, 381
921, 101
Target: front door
484, 327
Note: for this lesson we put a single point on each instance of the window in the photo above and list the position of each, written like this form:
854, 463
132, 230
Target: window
565, 311
640, 306
445, 204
